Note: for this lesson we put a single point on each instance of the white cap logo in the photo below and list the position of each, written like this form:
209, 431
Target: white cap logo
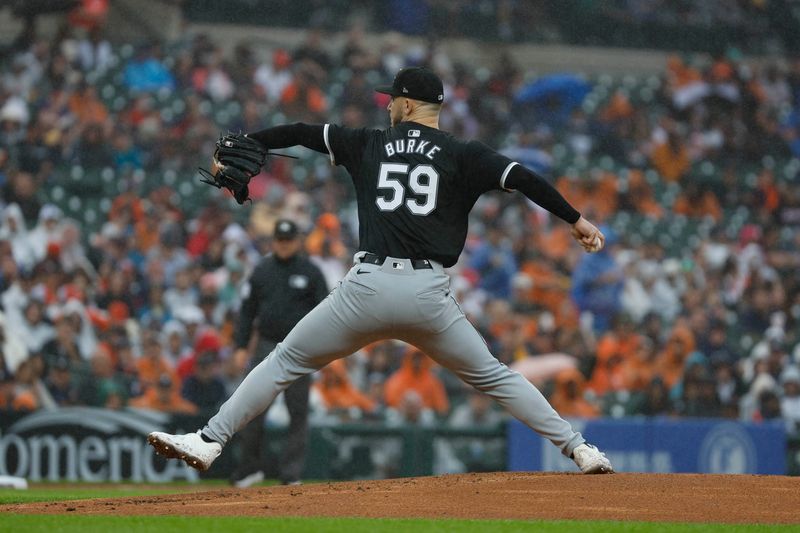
405, 90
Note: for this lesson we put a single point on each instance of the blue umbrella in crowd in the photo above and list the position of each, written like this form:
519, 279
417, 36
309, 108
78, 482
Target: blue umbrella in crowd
550, 99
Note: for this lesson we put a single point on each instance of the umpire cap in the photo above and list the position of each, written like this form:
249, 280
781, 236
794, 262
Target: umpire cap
417, 83
285, 230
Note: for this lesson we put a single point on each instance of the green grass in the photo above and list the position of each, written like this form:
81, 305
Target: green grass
165, 524
43, 494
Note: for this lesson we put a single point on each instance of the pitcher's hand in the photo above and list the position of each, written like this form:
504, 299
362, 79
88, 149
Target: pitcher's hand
588, 236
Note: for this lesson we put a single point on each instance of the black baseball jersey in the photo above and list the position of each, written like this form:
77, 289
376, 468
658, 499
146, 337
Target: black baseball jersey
415, 186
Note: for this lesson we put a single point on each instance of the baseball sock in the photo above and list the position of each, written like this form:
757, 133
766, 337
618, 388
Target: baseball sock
207, 439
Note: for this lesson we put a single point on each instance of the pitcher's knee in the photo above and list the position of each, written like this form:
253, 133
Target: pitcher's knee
296, 357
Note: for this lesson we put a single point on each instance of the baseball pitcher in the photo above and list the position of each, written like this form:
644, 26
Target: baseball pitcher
415, 186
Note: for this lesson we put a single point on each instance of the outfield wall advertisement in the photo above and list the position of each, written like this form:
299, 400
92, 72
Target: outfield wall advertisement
87, 444
661, 445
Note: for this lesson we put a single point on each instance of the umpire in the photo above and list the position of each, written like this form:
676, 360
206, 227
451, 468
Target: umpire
283, 288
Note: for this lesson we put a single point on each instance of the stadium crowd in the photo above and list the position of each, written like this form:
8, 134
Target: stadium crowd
692, 309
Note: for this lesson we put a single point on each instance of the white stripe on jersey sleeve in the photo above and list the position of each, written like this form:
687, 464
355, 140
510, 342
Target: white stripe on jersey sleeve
505, 175
328, 143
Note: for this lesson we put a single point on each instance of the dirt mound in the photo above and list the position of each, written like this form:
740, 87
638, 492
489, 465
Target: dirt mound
511, 495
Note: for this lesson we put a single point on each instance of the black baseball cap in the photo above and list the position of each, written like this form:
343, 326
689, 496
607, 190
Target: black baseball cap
417, 83
285, 229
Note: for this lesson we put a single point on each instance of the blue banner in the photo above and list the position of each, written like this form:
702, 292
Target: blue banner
661, 445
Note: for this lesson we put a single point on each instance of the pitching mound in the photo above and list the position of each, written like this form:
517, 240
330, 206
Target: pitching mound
649, 497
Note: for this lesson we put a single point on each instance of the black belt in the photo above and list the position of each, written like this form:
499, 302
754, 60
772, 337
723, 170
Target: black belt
375, 259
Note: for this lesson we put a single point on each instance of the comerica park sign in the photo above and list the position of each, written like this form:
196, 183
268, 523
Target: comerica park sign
87, 444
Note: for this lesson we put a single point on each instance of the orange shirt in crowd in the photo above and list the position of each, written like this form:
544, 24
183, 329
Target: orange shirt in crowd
416, 374
168, 402
568, 399
642, 197
670, 361
313, 99
671, 162
150, 370
336, 390
613, 351
88, 109
637, 371
704, 205
679, 74
605, 196
328, 229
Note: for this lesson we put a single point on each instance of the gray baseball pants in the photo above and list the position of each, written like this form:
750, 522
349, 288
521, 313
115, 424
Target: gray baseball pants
390, 301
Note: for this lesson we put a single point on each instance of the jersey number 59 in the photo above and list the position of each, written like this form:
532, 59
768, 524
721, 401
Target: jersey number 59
423, 180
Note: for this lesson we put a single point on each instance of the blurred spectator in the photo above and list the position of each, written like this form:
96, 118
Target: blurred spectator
95, 51
597, 283
671, 158
790, 401
14, 231
90, 14
207, 341
495, 264
616, 352
769, 407
12, 348
91, 150
654, 401
696, 394
205, 387
47, 232
60, 383
303, 98
64, 345
164, 396
274, 78
174, 343
182, 294
669, 364
313, 52
152, 364
33, 328
568, 397
730, 387
477, 455
20, 189
698, 201
416, 375
145, 72
339, 397
103, 387
411, 410
25, 394
87, 108
326, 249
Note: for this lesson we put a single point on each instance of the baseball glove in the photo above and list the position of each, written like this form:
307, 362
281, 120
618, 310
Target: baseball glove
237, 158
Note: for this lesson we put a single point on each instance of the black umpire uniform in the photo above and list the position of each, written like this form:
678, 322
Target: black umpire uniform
283, 288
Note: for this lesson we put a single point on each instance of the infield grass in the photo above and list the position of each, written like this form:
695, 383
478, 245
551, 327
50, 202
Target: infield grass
166, 524
55, 495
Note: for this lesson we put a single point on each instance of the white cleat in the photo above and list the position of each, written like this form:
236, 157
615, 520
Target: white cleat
190, 448
591, 460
